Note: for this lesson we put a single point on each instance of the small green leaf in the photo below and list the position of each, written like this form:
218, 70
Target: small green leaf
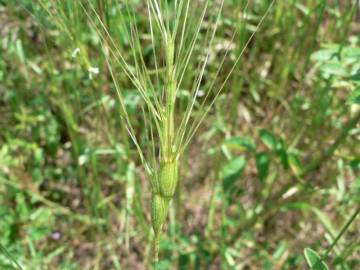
262, 165
354, 97
305, 10
351, 53
231, 171
294, 163
268, 139
20, 50
282, 153
314, 260
241, 143
355, 164
334, 68
323, 55
280, 250
355, 77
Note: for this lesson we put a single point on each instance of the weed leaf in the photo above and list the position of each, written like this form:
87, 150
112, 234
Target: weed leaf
268, 139
231, 171
262, 165
314, 260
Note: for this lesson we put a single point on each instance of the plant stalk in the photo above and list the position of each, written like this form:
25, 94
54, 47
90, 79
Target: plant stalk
168, 169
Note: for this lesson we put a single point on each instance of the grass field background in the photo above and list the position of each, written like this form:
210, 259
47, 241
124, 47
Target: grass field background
273, 169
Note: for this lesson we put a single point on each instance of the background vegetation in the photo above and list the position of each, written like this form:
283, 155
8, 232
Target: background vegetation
273, 169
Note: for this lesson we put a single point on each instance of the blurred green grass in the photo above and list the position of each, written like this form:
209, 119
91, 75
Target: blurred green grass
273, 170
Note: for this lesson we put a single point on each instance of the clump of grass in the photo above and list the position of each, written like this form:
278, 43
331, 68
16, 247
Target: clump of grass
174, 28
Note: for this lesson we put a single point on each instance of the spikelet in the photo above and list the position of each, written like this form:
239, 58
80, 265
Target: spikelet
168, 178
159, 211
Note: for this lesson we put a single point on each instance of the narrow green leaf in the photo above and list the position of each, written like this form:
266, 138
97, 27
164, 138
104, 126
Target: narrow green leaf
282, 153
294, 162
262, 165
325, 220
10, 257
314, 260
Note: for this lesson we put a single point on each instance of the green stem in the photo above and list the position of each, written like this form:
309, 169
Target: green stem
341, 233
338, 237
156, 248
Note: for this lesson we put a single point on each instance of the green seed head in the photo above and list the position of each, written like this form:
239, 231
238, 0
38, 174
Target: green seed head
155, 188
168, 178
159, 211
